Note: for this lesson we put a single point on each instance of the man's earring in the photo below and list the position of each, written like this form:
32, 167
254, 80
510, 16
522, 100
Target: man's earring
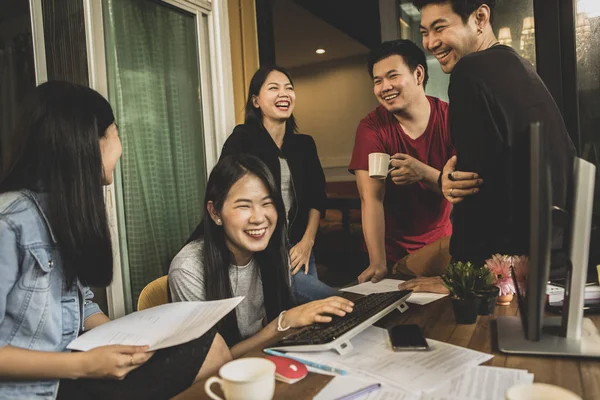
218, 221
479, 30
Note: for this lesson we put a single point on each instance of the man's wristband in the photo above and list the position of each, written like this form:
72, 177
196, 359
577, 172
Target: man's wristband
439, 181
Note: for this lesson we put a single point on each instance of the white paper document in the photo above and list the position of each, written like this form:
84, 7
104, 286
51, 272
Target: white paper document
344, 385
158, 327
415, 371
390, 285
481, 382
556, 294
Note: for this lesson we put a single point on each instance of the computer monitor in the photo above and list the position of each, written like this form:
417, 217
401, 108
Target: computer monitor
531, 333
531, 289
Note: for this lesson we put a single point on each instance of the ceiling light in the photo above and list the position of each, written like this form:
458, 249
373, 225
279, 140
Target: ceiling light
320, 51
504, 36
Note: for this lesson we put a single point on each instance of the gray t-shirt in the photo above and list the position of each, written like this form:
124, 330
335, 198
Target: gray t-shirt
287, 189
186, 281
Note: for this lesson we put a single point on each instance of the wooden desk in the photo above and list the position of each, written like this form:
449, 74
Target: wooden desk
437, 321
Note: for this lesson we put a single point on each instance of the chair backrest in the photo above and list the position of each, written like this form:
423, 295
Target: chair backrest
154, 294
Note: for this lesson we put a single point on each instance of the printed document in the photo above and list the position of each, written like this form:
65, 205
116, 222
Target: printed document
344, 385
415, 371
158, 327
481, 382
390, 285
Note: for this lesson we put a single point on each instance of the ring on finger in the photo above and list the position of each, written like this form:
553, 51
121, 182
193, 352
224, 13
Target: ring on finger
451, 190
451, 176
132, 361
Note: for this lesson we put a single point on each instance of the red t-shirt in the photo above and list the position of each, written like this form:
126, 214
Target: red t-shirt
414, 215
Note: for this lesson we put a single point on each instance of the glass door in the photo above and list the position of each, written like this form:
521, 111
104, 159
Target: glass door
587, 48
152, 58
587, 44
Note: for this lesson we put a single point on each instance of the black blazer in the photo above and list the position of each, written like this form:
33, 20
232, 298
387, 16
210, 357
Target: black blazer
300, 152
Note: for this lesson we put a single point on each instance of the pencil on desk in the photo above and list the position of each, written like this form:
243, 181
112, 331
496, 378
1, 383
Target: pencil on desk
306, 362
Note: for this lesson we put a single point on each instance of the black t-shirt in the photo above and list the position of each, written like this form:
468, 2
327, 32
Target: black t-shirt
494, 97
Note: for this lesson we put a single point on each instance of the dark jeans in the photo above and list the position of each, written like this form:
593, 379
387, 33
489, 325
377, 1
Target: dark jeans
308, 287
169, 372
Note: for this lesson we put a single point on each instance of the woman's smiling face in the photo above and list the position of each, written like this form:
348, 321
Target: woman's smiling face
248, 217
276, 98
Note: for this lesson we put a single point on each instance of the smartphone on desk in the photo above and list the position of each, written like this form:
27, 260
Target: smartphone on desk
407, 338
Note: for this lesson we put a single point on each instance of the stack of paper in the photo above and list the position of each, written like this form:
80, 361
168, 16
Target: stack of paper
410, 371
390, 285
344, 385
556, 294
481, 382
446, 372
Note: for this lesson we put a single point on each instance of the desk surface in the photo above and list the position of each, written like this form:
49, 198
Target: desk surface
437, 321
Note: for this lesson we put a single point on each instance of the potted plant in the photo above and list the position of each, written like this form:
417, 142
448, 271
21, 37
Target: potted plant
499, 265
460, 280
485, 291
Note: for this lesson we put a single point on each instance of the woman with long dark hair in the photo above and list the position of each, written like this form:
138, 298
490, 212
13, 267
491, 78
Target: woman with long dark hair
270, 133
55, 244
240, 249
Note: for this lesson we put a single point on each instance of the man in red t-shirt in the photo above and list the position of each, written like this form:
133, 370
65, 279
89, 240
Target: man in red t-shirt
405, 212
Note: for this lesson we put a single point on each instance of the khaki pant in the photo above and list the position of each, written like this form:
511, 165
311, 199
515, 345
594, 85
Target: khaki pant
430, 260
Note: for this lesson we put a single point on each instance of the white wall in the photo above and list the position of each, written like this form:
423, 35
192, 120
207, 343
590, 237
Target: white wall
331, 99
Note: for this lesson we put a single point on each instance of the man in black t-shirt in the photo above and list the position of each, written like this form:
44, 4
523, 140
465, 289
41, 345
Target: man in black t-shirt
494, 95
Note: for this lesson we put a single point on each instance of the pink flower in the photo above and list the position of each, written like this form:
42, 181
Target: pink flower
499, 265
521, 267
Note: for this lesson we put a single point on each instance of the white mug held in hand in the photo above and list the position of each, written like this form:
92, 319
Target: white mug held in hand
251, 378
379, 165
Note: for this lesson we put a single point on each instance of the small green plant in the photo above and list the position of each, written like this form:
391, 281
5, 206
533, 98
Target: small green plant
460, 279
484, 280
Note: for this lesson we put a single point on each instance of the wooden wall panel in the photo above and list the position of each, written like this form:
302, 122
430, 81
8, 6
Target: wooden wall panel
244, 50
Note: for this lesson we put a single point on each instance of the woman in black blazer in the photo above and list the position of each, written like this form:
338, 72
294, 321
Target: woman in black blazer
269, 132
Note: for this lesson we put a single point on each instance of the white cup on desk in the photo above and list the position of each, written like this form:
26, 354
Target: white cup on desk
379, 165
251, 378
539, 391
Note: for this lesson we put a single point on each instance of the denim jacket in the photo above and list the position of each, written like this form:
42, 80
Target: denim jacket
37, 309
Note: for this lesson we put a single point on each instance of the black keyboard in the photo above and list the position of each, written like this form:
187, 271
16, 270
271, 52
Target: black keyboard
364, 308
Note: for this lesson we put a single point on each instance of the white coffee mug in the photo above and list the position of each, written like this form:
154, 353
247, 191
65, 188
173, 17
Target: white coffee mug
539, 391
379, 165
251, 378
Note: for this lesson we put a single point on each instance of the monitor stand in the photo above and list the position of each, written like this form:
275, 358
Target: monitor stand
511, 339
571, 334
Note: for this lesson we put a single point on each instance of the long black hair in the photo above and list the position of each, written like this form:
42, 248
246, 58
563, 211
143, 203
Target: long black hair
56, 152
254, 115
273, 261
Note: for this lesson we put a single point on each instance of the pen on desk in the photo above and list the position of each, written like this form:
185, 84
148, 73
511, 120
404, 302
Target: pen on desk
306, 362
360, 392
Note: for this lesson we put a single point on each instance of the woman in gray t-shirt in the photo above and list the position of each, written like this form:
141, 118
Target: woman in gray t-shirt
240, 249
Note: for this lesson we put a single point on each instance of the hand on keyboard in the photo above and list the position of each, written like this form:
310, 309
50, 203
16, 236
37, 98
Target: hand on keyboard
317, 311
373, 307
